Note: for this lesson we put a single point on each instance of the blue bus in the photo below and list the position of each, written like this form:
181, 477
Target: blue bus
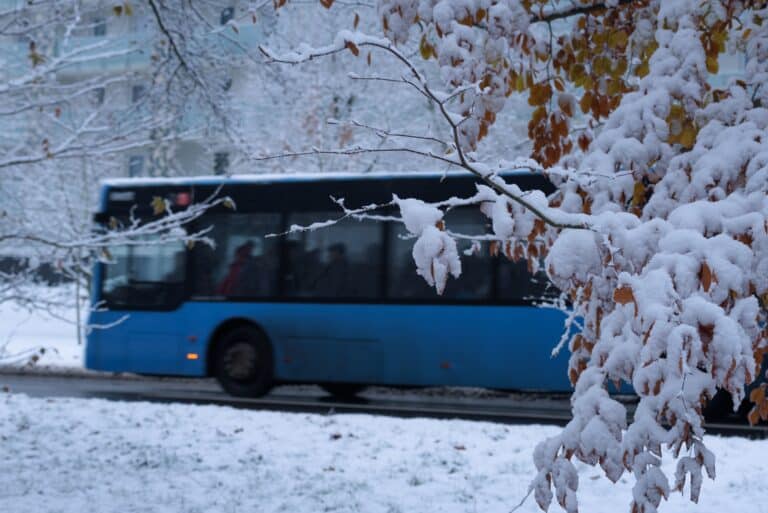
340, 306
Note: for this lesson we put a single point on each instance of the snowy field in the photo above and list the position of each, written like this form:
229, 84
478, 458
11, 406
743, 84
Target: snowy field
75, 456
51, 337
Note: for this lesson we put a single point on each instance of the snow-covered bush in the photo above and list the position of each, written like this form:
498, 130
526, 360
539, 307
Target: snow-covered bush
658, 229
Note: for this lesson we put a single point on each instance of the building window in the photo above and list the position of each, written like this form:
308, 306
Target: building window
135, 165
100, 27
220, 162
226, 15
137, 92
98, 95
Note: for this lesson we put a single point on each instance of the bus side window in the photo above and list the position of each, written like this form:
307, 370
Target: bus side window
474, 284
338, 261
243, 262
517, 283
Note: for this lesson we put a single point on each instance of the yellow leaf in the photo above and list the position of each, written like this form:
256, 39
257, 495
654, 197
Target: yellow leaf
642, 69
425, 48
638, 194
617, 39
158, 205
712, 64
687, 137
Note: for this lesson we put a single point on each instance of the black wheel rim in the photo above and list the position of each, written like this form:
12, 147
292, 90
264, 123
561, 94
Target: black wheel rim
241, 361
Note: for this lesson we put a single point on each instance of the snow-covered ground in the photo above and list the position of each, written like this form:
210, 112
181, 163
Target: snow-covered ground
76, 455
24, 333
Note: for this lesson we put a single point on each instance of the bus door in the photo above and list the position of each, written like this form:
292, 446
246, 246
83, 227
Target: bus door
140, 286
332, 277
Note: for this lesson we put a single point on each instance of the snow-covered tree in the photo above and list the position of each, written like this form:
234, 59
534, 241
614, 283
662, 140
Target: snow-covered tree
86, 88
658, 230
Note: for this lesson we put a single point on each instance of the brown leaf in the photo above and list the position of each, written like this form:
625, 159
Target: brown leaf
576, 342
706, 277
757, 395
326, 3
352, 46
586, 102
624, 295
753, 417
357, 21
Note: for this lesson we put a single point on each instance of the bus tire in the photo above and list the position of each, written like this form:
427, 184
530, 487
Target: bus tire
343, 390
243, 362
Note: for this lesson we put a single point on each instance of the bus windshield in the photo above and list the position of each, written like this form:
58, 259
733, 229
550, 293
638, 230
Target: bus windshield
150, 275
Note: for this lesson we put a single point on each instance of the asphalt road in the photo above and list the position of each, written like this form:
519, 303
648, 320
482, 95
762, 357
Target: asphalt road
441, 403
472, 404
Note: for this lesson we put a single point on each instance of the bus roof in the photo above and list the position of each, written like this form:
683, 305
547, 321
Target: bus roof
288, 177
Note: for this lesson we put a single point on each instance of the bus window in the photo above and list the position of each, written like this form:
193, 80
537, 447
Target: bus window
339, 261
474, 284
516, 283
146, 276
243, 261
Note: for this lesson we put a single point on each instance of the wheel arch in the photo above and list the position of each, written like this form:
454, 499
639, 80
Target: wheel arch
223, 328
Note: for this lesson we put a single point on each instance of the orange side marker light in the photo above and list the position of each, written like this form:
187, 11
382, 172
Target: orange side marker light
192, 356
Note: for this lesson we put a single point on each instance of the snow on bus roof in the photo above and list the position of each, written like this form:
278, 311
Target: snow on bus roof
288, 177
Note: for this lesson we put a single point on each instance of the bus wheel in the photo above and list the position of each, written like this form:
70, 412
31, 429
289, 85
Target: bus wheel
243, 362
343, 390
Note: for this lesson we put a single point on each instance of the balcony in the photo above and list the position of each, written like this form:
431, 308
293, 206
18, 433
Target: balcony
98, 55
